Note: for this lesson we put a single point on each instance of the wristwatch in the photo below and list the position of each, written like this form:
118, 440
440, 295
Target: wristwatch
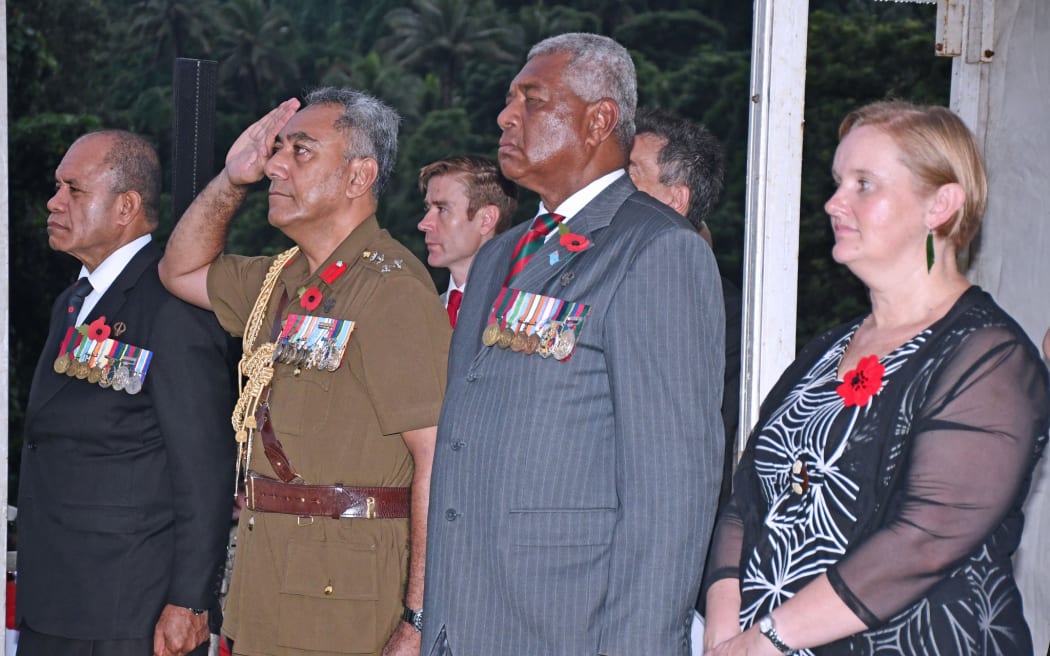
413, 617
197, 611
767, 628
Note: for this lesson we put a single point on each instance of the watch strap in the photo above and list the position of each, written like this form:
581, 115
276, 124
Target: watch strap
767, 628
413, 617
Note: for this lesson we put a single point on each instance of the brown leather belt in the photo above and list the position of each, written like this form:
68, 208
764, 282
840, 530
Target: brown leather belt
269, 495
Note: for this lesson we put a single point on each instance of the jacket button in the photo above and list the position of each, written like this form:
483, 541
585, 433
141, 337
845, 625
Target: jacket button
471, 377
451, 514
458, 444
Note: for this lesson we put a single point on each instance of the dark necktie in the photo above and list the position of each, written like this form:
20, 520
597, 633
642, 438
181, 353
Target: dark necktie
530, 242
81, 289
74, 303
455, 297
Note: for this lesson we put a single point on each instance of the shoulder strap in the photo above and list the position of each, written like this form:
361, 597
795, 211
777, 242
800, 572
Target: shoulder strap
256, 364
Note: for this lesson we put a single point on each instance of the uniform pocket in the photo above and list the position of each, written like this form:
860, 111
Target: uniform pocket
304, 403
328, 598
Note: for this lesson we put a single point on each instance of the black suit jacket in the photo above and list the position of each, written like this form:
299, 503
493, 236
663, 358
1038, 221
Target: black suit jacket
125, 500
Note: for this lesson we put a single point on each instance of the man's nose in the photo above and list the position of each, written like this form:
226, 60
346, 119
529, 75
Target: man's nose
57, 202
276, 167
426, 223
507, 117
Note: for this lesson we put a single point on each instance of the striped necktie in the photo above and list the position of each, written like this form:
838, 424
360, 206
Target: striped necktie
530, 242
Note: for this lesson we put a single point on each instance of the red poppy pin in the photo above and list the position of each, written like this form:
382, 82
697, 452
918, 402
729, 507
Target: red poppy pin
862, 383
574, 243
98, 330
310, 298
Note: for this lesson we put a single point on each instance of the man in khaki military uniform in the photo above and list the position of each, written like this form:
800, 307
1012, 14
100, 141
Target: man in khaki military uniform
346, 345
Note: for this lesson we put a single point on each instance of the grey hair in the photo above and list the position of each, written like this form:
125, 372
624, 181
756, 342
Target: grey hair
369, 125
691, 156
598, 68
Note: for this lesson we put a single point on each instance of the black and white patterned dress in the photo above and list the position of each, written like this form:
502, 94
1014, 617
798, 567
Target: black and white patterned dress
911, 502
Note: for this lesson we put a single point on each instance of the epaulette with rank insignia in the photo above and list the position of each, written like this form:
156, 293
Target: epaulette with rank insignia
380, 263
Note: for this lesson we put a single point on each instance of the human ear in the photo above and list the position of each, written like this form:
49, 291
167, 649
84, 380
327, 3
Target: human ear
680, 199
363, 172
129, 205
486, 218
602, 119
947, 200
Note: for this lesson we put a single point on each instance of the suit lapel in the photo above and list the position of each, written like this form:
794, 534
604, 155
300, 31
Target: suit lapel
47, 383
112, 302
553, 259
539, 273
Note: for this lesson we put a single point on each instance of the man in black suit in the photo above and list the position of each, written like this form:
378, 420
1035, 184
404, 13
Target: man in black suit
681, 163
127, 460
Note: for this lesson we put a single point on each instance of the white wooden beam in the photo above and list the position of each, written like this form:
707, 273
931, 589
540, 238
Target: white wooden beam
774, 172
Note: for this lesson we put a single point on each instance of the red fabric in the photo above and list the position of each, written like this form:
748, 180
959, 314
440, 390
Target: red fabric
11, 604
455, 297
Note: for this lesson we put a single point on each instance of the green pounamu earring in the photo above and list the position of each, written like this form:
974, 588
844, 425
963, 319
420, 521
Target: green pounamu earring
929, 251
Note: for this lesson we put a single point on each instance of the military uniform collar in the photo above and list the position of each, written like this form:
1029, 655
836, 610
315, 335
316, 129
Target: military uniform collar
298, 272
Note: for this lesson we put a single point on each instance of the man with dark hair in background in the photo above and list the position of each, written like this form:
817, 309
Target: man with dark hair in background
681, 163
127, 462
468, 202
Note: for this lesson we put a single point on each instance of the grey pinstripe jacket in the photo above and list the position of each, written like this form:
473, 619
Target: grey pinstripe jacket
571, 502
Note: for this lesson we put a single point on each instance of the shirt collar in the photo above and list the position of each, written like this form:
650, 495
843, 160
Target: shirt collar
350, 251
453, 286
572, 205
104, 274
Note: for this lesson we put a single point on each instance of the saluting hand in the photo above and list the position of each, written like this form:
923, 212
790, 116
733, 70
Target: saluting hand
248, 155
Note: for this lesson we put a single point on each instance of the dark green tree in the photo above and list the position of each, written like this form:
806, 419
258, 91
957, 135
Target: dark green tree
855, 58
441, 35
171, 28
254, 51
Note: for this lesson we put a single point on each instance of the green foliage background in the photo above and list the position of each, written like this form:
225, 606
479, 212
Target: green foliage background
77, 65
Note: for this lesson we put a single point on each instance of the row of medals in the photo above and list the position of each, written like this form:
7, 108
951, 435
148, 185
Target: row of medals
556, 339
104, 374
322, 356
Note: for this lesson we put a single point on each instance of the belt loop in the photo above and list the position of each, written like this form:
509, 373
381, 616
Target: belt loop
301, 520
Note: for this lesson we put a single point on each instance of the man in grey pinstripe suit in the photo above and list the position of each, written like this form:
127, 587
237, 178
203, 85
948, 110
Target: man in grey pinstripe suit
580, 445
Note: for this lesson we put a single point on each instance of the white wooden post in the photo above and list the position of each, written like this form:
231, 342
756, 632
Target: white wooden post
1001, 88
774, 173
